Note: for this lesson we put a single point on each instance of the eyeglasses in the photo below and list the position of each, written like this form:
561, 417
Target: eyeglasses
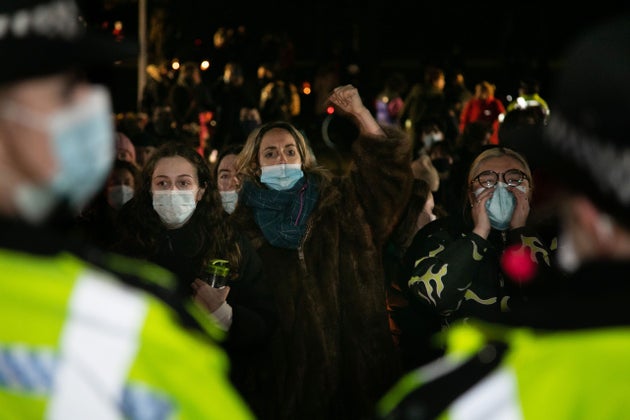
512, 177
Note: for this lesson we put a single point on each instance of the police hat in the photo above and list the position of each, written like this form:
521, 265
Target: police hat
41, 37
586, 144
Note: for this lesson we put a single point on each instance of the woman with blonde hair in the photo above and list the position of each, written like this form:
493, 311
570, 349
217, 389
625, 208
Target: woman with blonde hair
482, 261
321, 239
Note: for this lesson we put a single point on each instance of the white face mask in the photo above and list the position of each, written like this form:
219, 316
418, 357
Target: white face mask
229, 200
429, 139
82, 139
118, 195
174, 207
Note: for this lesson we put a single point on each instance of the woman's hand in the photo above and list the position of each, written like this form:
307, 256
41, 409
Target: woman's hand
479, 214
521, 208
346, 100
208, 297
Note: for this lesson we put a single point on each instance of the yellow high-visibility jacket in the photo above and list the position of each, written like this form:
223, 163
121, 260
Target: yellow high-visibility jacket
78, 343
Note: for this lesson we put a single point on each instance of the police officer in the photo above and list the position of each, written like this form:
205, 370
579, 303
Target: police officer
83, 334
563, 355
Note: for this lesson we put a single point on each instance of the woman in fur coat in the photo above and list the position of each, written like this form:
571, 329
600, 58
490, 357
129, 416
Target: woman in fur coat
320, 238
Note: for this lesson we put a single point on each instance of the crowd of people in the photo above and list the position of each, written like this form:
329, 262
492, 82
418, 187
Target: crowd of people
201, 259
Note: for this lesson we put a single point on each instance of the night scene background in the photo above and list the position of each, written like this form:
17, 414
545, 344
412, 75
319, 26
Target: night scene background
500, 43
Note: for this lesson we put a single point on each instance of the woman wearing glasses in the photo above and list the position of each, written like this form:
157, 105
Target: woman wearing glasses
479, 264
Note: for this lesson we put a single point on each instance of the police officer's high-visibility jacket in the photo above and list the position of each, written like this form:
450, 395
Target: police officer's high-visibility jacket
76, 342
564, 356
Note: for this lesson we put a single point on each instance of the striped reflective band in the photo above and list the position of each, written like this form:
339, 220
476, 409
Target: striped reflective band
98, 345
495, 397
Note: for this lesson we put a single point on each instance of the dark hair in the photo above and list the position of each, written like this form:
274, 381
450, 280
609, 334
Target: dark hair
141, 225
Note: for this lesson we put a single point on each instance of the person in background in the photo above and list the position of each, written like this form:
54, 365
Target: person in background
457, 93
564, 354
389, 101
403, 321
90, 331
484, 107
279, 98
97, 221
156, 90
125, 149
427, 100
454, 267
145, 143
176, 220
188, 98
529, 98
321, 240
232, 95
227, 177
430, 133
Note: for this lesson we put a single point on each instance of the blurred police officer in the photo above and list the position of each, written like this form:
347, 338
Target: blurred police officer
83, 335
565, 354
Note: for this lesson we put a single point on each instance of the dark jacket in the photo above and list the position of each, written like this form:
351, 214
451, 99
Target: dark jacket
253, 317
333, 354
460, 274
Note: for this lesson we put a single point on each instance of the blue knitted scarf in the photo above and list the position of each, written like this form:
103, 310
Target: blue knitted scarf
282, 215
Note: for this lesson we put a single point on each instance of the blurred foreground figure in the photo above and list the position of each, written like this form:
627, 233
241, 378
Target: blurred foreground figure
563, 355
84, 334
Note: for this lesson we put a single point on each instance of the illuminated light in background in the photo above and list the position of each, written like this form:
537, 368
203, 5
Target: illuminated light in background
330, 110
205, 65
306, 88
175, 64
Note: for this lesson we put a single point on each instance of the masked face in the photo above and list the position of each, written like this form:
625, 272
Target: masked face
174, 207
429, 139
229, 200
281, 177
500, 206
81, 138
118, 195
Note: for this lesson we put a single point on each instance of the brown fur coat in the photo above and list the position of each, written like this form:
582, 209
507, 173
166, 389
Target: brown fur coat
333, 355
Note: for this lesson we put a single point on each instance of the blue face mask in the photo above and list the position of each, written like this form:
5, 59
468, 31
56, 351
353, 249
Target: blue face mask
281, 177
82, 140
500, 206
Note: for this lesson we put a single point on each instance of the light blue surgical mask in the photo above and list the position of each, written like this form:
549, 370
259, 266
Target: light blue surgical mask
281, 177
82, 141
500, 207
229, 200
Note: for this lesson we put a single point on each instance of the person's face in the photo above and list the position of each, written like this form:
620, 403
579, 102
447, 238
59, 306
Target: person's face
276, 147
144, 153
227, 179
499, 165
175, 173
426, 215
120, 176
124, 154
26, 146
